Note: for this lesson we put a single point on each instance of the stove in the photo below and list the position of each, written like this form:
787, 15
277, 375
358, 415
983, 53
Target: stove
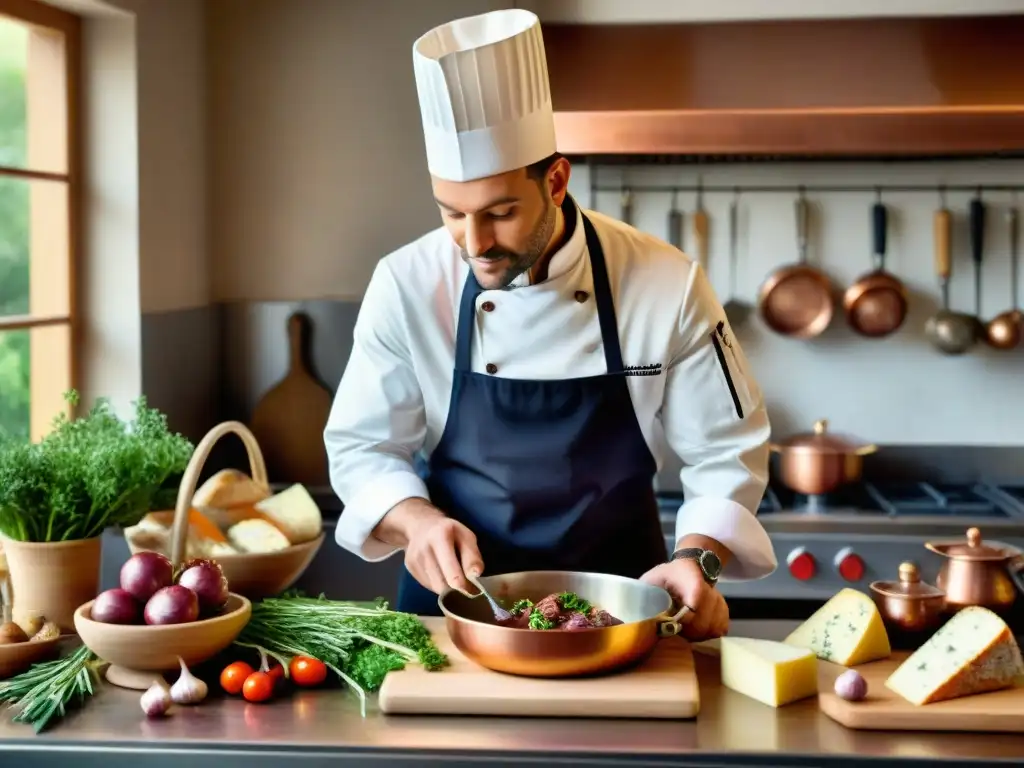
862, 532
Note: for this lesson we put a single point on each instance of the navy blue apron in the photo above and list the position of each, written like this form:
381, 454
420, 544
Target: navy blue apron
549, 474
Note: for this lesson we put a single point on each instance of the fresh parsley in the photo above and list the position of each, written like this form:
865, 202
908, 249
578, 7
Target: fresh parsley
89, 473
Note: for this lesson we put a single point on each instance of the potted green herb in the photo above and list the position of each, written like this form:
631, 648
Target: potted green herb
59, 494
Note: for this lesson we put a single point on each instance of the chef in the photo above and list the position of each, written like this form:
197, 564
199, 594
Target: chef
543, 358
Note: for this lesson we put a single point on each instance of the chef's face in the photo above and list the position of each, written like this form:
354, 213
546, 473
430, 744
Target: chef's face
504, 224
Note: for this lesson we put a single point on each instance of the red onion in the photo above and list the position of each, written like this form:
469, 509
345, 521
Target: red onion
172, 605
143, 574
115, 606
206, 579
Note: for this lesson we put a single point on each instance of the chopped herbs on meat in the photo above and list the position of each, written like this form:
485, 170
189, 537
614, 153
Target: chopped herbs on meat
570, 601
537, 621
561, 610
520, 606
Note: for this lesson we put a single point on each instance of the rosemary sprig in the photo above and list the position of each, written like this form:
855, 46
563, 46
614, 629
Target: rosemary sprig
46, 691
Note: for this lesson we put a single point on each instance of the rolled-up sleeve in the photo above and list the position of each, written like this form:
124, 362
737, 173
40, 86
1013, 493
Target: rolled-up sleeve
377, 422
715, 420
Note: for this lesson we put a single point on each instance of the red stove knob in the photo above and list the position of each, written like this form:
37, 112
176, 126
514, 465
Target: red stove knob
801, 564
849, 564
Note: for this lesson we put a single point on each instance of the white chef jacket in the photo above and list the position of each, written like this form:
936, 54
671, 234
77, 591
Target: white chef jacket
394, 395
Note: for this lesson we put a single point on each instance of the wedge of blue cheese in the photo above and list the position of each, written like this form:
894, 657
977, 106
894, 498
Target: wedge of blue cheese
846, 630
974, 652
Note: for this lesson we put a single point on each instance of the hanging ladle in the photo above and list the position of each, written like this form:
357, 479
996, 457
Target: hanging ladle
952, 333
1004, 330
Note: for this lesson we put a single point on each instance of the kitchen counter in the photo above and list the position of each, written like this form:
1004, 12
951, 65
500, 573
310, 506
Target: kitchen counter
320, 728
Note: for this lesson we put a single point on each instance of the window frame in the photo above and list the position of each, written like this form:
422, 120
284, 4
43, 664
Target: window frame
56, 355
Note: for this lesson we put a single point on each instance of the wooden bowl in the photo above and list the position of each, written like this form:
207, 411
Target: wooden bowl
17, 657
137, 651
263, 574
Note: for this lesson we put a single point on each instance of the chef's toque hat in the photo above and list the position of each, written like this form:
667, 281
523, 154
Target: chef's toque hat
484, 95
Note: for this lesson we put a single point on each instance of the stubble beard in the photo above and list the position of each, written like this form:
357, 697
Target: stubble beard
520, 262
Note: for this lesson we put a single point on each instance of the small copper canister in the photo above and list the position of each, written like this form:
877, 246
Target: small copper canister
909, 605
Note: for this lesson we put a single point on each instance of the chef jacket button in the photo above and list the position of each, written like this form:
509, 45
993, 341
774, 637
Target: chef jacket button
487, 306
581, 296
491, 368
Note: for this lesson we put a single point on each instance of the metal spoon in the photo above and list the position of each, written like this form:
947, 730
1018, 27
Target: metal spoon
1004, 330
952, 333
500, 614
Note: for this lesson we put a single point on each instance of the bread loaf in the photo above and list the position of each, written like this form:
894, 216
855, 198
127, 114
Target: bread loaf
294, 512
257, 536
229, 488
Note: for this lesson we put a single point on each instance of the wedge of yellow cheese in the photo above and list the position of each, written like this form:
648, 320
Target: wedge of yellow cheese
846, 630
773, 673
974, 652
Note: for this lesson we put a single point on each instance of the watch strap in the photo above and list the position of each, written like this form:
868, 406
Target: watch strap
698, 554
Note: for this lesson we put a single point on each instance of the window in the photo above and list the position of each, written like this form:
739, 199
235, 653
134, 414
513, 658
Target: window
38, 202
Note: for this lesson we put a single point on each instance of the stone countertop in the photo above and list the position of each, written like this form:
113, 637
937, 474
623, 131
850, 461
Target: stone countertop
324, 727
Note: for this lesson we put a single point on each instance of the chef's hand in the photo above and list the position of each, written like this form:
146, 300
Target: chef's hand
439, 551
684, 580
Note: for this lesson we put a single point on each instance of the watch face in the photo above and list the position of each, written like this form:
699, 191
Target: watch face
711, 565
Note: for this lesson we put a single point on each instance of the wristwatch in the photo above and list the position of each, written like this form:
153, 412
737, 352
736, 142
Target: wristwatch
708, 561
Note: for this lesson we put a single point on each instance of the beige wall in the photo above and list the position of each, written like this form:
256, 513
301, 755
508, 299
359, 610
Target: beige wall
313, 154
317, 155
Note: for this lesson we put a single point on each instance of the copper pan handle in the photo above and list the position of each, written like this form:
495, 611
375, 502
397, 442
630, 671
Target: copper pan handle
943, 236
669, 625
1015, 567
800, 209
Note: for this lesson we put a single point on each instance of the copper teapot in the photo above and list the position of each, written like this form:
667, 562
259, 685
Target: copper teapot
979, 574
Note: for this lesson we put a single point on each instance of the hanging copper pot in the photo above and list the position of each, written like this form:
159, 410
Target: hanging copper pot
819, 462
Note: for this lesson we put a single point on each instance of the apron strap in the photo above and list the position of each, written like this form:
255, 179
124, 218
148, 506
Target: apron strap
602, 295
467, 316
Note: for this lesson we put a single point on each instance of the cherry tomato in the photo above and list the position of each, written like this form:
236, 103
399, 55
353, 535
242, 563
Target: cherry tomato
259, 686
307, 671
276, 673
233, 677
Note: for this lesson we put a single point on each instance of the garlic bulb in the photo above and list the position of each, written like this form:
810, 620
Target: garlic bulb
156, 700
187, 689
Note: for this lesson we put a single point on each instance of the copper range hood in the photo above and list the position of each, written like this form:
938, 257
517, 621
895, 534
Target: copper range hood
850, 87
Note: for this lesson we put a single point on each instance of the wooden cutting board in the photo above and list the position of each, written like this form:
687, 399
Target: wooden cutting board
289, 420
998, 712
662, 687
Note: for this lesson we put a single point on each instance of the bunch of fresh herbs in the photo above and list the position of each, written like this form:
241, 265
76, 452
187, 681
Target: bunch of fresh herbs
89, 473
359, 642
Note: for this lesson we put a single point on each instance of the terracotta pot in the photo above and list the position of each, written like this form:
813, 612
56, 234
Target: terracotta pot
53, 578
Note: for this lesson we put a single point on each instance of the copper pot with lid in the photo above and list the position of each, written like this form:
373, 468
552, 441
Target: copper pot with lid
909, 603
976, 573
819, 462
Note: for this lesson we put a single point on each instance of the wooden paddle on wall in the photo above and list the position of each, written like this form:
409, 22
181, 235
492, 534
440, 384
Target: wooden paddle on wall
289, 419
